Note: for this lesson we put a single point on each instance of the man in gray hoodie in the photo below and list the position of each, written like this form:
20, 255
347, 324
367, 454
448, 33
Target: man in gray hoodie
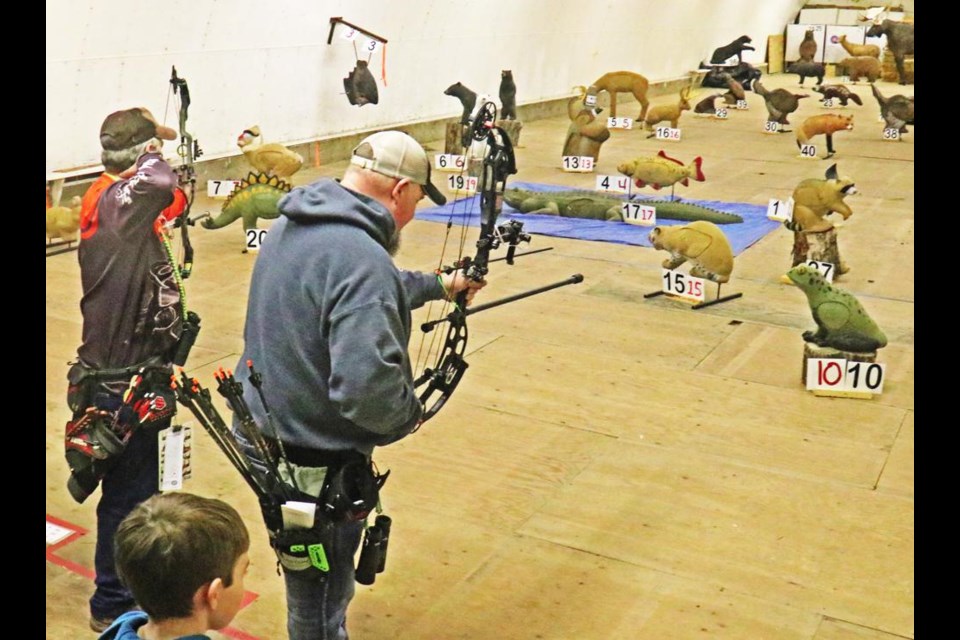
327, 327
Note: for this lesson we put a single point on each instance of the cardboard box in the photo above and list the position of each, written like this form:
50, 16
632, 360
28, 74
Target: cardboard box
795, 35
833, 51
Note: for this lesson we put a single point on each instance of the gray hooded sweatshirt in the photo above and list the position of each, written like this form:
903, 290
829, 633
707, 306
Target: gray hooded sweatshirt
328, 323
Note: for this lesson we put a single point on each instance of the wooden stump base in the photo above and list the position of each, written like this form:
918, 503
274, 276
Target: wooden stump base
512, 129
454, 139
820, 246
811, 350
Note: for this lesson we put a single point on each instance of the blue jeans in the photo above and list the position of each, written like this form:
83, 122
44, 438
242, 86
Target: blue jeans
133, 479
317, 601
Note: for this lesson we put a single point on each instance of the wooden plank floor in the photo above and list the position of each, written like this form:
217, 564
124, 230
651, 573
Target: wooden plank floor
611, 466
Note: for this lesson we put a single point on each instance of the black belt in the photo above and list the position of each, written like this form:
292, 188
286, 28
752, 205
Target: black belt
308, 457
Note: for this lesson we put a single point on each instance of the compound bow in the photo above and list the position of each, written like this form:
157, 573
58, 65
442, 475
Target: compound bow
188, 150
499, 162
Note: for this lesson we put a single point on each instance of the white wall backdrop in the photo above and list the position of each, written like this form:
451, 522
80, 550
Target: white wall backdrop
267, 62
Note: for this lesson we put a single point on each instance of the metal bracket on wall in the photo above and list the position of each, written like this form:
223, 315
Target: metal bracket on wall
338, 20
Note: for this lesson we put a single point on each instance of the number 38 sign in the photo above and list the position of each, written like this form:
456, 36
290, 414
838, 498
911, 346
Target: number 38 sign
839, 374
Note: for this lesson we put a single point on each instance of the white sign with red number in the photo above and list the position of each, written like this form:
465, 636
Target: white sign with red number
614, 184
683, 285
462, 184
578, 164
839, 374
449, 162
221, 188
667, 133
639, 214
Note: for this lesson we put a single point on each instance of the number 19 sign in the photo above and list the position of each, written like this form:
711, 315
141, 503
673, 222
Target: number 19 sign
838, 374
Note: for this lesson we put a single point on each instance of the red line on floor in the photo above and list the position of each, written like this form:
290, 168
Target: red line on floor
69, 565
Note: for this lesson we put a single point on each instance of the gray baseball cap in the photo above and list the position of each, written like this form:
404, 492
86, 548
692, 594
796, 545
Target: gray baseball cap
396, 154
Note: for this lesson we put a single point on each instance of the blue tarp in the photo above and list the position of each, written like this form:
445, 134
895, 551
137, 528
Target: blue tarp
741, 235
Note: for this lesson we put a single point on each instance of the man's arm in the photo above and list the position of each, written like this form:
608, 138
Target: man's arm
371, 380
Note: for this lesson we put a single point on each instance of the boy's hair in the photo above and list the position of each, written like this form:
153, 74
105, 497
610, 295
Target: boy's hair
172, 544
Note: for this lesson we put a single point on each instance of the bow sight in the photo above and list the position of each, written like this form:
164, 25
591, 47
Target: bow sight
499, 162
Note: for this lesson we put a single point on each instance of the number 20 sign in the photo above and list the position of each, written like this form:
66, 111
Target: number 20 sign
839, 374
255, 238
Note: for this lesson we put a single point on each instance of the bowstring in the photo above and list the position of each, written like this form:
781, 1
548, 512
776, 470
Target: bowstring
468, 204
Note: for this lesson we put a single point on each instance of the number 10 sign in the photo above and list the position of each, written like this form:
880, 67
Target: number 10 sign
826, 375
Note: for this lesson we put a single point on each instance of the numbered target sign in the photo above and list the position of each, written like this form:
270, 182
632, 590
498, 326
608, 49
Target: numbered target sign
449, 162
620, 123
639, 214
771, 126
349, 33
826, 269
742, 105
891, 133
614, 184
220, 188
780, 210
667, 133
839, 374
808, 151
371, 45
462, 184
683, 285
828, 103
578, 164
255, 238
721, 113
